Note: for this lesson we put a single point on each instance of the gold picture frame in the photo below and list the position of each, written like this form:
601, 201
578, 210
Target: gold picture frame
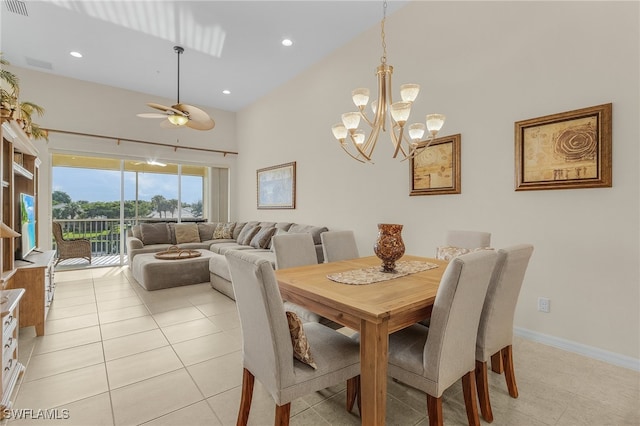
277, 187
568, 150
436, 169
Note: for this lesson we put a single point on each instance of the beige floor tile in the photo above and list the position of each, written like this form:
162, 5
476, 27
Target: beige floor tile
198, 414
227, 321
123, 314
141, 366
177, 316
218, 374
128, 326
67, 339
64, 360
153, 398
71, 323
110, 305
66, 276
190, 330
62, 389
133, 344
120, 293
222, 305
206, 347
65, 292
166, 304
72, 311
109, 273
110, 287
72, 301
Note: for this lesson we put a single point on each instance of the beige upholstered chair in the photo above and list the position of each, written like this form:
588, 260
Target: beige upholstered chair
468, 239
293, 250
432, 359
495, 333
70, 249
267, 348
339, 245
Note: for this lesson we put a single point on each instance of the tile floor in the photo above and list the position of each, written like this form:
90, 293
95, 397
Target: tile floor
115, 354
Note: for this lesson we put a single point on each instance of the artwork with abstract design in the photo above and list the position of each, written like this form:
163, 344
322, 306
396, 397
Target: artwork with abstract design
566, 150
436, 169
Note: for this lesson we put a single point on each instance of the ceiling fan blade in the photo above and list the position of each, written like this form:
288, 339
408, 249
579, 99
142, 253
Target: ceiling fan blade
165, 108
152, 115
198, 119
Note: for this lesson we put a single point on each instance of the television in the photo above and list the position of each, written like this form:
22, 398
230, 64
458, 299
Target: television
27, 225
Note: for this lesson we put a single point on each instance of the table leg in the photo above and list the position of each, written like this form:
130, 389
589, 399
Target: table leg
374, 344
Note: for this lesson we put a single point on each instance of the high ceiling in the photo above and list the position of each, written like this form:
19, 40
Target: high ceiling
232, 45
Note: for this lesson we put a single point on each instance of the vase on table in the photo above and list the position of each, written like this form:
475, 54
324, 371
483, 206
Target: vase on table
389, 246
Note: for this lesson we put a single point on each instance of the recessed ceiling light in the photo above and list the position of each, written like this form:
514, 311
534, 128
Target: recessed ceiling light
76, 54
287, 42
226, 92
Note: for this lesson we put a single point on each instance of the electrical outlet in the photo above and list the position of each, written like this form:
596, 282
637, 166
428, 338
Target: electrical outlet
544, 304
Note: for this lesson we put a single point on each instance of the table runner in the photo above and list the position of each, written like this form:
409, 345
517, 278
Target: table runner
374, 274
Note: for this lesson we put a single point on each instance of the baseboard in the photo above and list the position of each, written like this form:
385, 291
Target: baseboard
579, 348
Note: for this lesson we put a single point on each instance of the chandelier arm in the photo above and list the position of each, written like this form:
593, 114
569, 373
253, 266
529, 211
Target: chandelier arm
397, 141
360, 150
350, 154
419, 148
364, 116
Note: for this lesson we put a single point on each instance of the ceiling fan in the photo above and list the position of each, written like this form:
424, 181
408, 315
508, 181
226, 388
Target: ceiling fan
179, 115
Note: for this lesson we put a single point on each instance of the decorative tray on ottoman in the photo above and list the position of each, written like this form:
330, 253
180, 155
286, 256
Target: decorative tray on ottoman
175, 253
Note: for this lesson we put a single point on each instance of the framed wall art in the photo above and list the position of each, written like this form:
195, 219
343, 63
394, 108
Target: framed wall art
436, 169
277, 187
563, 151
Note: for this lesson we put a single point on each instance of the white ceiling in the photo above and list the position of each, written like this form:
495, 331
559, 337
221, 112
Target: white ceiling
234, 45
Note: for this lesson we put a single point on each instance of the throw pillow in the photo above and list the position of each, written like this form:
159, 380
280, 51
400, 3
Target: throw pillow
217, 234
449, 252
279, 231
154, 233
187, 233
206, 230
301, 349
263, 238
135, 231
238, 228
247, 234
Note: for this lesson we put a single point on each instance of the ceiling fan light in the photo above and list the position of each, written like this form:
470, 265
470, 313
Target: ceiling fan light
178, 119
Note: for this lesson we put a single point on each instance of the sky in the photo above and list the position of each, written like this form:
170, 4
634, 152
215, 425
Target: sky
104, 185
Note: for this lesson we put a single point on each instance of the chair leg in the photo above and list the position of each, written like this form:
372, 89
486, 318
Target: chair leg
434, 410
509, 374
353, 393
482, 386
245, 400
283, 412
469, 392
496, 363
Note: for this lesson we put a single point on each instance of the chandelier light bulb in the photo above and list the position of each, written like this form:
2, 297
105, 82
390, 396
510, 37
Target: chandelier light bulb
360, 97
416, 131
178, 119
358, 136
351, 120
409, 92
400, 112
435, 123
339, 131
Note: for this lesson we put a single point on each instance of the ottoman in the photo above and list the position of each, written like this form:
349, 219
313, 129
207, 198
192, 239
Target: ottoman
155, 274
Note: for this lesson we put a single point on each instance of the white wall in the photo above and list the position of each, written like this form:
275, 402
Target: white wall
83, 107
485, 65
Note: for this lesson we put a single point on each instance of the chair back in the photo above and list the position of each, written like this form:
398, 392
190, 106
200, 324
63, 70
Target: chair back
293, 250
496, 322
267, 349
57, 232
339, 245
449, 352
468, 239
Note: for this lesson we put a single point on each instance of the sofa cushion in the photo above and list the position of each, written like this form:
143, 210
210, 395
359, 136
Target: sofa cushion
206, 230
135, 231
315, 231
247, 234
283, 225
238, 228
154, 233
224, 230
187, 233
263, 238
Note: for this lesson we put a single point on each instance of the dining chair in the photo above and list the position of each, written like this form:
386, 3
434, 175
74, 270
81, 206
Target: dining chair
268, 351
468, 239
339, 245
433, 358
293, 250
495, 332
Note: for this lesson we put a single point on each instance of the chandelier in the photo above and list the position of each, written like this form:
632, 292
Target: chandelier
360, 147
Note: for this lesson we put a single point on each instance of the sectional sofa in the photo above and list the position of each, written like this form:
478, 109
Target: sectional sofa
218, 238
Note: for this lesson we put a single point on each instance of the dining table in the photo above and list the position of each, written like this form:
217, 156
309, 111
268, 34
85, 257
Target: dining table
373, 309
